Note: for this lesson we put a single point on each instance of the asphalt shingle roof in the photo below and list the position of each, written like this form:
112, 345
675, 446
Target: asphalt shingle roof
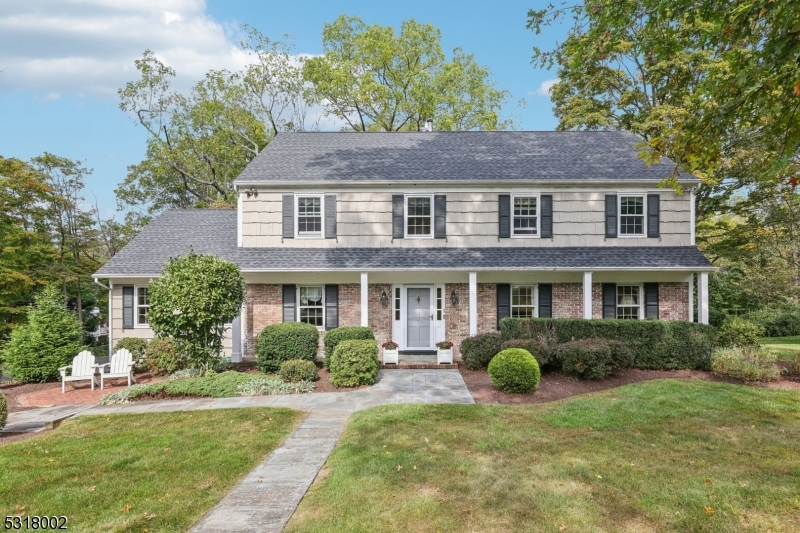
214, 232
453, 156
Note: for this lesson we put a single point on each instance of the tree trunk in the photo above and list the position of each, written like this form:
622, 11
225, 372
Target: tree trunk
80, 305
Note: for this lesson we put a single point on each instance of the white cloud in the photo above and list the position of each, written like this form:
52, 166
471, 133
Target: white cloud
544, 88
87, 47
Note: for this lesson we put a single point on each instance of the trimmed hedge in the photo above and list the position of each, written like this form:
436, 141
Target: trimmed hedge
3, 410
283, 342
539, 350
515, 370
344, 333
477, 351
164, 356
593, 358
298, 370
355, 362
655, 344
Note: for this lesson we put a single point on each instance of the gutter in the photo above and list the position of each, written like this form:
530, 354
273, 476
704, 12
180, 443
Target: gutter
584, 183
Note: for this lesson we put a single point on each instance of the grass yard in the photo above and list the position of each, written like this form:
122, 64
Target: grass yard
782, 345
137, 472
660, 456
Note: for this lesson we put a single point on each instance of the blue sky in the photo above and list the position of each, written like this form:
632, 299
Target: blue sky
62, 61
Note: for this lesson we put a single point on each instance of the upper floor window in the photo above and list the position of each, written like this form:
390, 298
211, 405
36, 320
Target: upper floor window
419, 216
522, 301
142, 305
526, 220
631, 215
309, 215
629, 302
312, 306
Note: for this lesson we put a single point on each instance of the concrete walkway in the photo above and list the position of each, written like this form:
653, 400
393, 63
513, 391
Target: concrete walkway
267, 497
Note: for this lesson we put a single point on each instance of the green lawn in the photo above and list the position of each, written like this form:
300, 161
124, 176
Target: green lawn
137, 472
782, 345
657, 456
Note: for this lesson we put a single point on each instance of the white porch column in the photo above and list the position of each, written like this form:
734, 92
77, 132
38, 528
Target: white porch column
587, 295
364, 300
473, 303
690, 318
702, 298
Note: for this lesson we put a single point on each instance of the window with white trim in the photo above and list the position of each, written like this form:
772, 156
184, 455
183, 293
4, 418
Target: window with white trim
525, 213
419, 216
142, 306
523, 304
309, 215
631, 215
629, 301
312, 305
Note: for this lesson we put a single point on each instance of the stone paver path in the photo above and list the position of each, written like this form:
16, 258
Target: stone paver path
266, 498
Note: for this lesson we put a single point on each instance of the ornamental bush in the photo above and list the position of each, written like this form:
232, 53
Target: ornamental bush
354, 362
593, 358
777, 323
298, 370
748, 363
136, 346
283, 342
655, 344
739, 332
540, 351
345, 333
3, 410
164, 356
515, 370
477, 351
50, 339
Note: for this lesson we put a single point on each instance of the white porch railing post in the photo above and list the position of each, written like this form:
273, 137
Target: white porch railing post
473, 303
587, 295
702, 298
364, 300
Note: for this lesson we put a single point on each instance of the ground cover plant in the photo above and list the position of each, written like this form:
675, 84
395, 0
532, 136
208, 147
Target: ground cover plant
137, 472
664, 455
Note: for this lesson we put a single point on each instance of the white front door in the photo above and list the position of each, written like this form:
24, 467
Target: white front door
419, 318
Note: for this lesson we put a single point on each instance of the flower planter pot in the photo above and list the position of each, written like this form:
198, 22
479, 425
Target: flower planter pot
390, 357
444, 356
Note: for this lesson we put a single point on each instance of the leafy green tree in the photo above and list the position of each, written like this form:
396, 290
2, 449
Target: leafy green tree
192, 300
375, 80
52, 337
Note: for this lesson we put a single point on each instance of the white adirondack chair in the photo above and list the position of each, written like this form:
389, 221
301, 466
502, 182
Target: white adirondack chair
120, 366
83, 368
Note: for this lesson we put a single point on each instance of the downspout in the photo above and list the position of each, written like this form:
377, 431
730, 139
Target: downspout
110, 310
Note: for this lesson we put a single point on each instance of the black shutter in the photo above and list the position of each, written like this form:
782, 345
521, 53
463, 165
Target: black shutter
653, 215
440, 216
330, 216
547, 215
398, 206
651, 300
504, 212
331, 307
127, 307
503, 302
288, 216
545, 300
611, 215
609, 300
289, 295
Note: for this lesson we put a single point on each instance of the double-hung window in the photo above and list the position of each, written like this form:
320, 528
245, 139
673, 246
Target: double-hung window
419, 216
629, 301
523, 303
309, 216
312, 306
525, 216
631, 215
142, 305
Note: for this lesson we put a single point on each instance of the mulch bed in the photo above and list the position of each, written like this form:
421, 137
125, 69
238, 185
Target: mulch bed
556, 385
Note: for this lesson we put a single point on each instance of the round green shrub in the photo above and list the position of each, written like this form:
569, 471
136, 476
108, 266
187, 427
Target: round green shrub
477, 351
3, 410
355, 362
540, 351
298, 370
136, 346
515, 370
283, 342
739, 332
593, 358
345, 333
164, 356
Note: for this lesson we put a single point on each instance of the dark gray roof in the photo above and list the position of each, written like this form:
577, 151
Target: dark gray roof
214, 232
453, 156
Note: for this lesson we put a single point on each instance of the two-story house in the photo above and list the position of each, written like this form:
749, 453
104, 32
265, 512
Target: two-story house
436, 236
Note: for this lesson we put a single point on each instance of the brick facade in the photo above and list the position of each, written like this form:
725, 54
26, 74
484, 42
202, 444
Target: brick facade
673, 301
380, 317
567, 300
263, 306
456, 317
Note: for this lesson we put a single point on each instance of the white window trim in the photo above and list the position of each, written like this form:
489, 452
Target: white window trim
535, 295
136, 306
405, 216
315, 235
641, 195
641, 298
297, 306
538, 214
